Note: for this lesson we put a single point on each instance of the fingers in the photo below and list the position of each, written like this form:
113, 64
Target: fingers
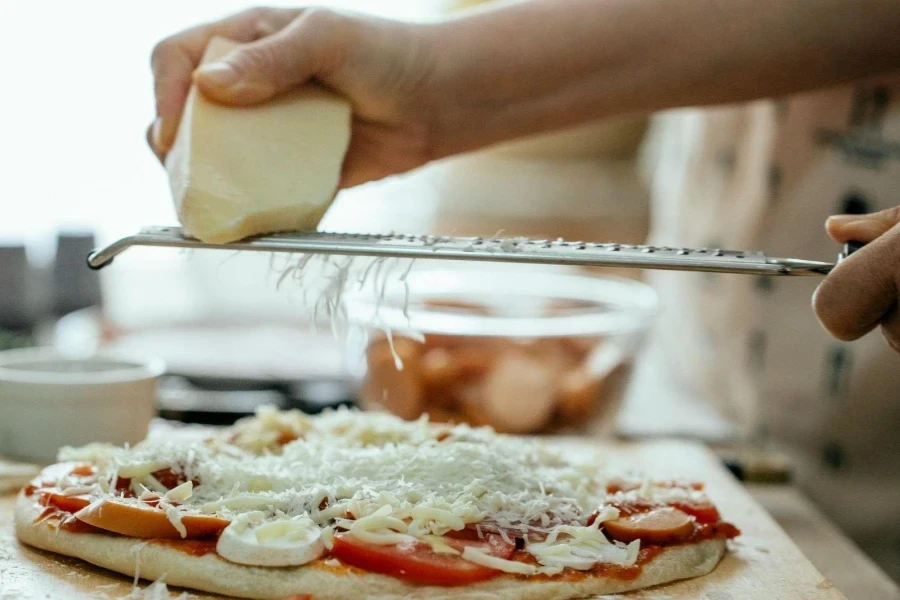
862, 228
151, 136
261, 70
172, 67
862, 289
174, 59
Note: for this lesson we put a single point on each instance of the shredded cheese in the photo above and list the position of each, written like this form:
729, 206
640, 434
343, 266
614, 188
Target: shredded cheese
149, 482
136, 551
439, 546
180, 493
581, 548
174, 516
385, 481
328, 537
478, 557
378, 528
138, 470
326, 278
97, 453
77, 490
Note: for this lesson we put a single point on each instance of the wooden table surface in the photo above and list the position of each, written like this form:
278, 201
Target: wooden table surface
839, 559
764, 564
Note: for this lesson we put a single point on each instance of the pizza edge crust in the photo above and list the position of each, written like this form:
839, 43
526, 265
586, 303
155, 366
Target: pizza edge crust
211, 573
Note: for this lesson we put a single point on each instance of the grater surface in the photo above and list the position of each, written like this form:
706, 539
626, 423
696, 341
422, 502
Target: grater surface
491, 249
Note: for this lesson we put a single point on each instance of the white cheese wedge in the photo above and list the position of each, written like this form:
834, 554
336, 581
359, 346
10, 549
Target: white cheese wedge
242, 171
285, 542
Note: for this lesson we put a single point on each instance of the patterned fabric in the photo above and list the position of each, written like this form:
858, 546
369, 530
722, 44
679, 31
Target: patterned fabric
765, 176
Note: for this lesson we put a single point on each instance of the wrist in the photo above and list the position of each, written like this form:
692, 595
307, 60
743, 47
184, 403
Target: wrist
460, 105
517, 70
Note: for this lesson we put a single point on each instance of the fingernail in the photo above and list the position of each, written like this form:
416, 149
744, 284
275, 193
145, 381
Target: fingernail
156, 133
860, 230
219, 73
854, 223
866, 230
163, 134
847, 219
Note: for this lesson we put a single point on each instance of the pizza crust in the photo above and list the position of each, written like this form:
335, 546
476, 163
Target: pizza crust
214, 574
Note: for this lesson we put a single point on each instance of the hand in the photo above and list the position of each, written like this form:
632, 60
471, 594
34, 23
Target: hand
382, 67
862, 292
514, 69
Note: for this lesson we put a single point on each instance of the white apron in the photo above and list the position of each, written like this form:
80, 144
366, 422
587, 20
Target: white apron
765, 176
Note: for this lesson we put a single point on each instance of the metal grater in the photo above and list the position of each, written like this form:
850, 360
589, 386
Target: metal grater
493, 249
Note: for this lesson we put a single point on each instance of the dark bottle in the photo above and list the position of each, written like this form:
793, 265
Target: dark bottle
75, 286
17, 313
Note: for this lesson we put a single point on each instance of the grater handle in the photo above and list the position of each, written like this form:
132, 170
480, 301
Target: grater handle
849, 249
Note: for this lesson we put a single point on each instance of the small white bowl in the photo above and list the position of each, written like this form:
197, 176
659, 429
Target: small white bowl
48, 401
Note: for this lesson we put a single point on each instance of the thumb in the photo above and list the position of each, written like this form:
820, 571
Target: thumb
259, 71
862, 228
862, 291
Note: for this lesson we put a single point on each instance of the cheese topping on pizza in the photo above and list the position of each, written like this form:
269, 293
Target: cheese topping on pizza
284, 489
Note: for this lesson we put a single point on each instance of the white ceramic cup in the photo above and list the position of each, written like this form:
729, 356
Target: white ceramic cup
48, 401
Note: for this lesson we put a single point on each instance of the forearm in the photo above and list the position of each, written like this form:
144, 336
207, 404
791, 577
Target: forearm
540, 65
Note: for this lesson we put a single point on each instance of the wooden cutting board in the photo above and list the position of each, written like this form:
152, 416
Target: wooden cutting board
763, 564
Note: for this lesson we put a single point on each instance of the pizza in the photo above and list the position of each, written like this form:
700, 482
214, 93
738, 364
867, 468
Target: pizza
351, 504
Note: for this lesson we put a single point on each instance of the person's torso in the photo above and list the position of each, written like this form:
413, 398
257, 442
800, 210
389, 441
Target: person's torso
765, 176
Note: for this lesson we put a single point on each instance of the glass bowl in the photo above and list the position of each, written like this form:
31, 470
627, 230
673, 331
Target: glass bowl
524, 350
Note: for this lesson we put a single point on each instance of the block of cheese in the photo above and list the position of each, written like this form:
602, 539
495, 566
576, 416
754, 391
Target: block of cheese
236, 172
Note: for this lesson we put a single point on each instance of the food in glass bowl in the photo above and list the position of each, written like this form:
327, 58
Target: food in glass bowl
521, 350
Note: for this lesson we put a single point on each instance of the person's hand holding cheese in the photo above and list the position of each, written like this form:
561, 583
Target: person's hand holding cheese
254, 117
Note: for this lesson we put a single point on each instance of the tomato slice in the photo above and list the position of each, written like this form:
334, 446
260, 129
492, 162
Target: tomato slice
416, 562
69, 504
704, 513
146, 522
84, 470
168, 478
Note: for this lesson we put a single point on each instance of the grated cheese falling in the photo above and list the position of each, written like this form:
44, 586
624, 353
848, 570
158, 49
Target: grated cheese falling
333, 274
